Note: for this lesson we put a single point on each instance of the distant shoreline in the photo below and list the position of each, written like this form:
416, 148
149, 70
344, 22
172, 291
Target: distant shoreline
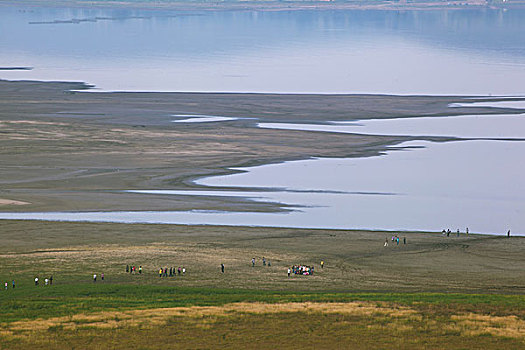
272, 5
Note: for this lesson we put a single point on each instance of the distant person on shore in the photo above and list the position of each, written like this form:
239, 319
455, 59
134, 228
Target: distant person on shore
386, 243
508, 234
404, 240
457, 233
448, 233
466, 231
94, 278
222, 268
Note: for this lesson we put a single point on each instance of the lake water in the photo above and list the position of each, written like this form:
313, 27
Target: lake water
469, 126
477, 51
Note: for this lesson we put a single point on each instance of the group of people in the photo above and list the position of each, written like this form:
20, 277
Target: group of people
301, 270
47, 281
395, 239
95, 277
448, 232
264, 262
132, 269
163, 272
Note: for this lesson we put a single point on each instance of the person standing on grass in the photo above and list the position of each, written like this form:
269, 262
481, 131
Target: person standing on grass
14, 284
6, 285
46, 281
457, 233
140, 269
264, 261
183, 270
160, 272
94, 278
36, 281
102, 277
466, 231
51, 279
222, 268
508, 234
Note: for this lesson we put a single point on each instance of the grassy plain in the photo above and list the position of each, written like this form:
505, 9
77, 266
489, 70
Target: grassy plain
466, 292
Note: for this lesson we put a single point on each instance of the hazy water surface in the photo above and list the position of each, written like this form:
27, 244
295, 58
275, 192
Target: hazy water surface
425, 52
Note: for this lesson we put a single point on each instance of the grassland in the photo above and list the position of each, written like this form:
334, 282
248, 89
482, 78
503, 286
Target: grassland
465, 292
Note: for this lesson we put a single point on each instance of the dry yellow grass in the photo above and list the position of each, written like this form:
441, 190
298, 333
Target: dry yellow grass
403, 319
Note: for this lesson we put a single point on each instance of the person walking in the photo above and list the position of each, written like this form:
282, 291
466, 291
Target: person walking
264, 261
386, 242
160, 272
94, 278
222, 268
289, 272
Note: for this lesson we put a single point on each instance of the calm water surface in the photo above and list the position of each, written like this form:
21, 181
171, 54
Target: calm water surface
422, 52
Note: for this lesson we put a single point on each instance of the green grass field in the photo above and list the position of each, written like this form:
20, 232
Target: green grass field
435, 292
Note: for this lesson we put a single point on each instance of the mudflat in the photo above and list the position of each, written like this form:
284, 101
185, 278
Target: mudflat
63, 148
